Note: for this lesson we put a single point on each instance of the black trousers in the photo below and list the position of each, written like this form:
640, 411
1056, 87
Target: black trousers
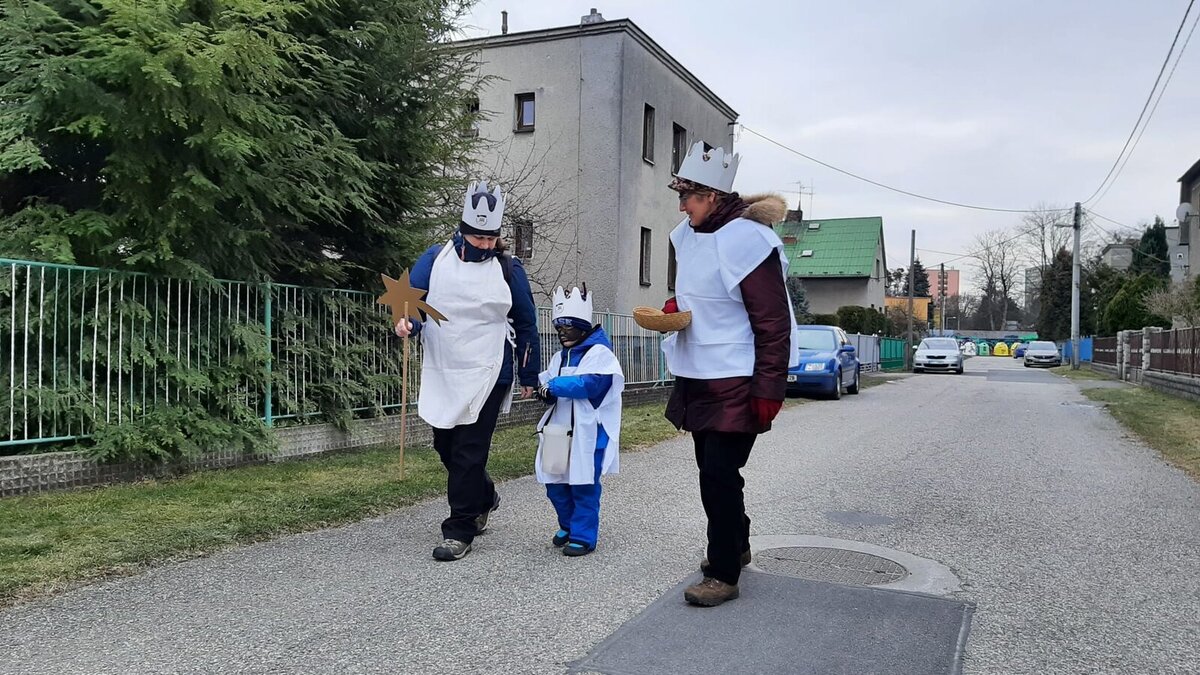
464, 452
720, 455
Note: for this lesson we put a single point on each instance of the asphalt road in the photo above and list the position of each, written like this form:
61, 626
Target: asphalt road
1079, 546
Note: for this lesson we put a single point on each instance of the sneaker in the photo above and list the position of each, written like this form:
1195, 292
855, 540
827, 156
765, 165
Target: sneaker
560, 538
482, 519
710, 592
704, 564
451, 549
575, 549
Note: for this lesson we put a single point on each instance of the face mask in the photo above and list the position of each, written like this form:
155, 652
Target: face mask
471, 253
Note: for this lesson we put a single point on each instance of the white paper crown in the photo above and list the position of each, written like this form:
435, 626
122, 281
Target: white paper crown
573, 305
480, 215
710, 168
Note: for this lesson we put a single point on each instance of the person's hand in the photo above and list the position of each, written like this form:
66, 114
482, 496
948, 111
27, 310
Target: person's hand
404, 328
765, 410
526, 392
670, 306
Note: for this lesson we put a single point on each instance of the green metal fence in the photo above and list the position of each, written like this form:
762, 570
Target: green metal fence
83, 347
891, 354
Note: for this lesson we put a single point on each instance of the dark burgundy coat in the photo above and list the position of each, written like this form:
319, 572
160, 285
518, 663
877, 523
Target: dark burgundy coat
724, 404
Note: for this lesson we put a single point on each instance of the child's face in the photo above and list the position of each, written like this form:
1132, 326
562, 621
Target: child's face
568, 336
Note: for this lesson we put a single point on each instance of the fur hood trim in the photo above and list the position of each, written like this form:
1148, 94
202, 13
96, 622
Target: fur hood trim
767, 208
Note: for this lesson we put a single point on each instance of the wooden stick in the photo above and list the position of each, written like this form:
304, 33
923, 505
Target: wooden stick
403, 397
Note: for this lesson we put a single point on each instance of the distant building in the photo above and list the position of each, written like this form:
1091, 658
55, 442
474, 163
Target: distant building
1119, 255
1189, 193
1177, 253
840, 261
934, 274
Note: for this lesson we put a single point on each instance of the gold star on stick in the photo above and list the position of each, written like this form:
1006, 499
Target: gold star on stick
406, 300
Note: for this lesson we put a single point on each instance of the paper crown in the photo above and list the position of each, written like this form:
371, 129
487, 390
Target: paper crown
478, 213
710, 168
576, 304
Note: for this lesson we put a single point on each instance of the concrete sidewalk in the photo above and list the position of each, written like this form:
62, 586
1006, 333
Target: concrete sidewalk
1078, 545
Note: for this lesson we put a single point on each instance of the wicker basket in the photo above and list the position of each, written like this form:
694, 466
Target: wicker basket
651, 318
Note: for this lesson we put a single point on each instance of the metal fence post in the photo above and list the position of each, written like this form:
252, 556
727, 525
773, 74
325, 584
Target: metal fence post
268, 391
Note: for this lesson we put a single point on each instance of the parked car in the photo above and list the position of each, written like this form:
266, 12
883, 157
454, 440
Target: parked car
1019, 350
1042, 354
828, 363
938, 355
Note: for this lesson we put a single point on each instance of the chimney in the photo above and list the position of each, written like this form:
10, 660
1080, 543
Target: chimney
504, 22
594, 17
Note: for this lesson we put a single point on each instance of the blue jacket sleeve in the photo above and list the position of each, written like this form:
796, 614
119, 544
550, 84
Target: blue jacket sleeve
592, 387
524, 319
419, 276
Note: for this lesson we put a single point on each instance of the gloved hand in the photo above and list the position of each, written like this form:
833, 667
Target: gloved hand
544, 395
670, 306
765, 410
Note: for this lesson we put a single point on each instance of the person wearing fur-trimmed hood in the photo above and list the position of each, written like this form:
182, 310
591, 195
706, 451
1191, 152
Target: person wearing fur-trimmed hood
731, 361
579, 436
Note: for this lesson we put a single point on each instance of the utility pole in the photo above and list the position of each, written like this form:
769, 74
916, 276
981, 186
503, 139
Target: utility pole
942, 292
1075, 291
912, 260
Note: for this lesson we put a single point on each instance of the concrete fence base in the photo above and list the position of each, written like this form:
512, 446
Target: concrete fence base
1174, 385
30, 474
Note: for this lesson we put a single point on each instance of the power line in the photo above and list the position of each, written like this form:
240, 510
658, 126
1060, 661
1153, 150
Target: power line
1145, 105
889, 187
976, 254
1149, 117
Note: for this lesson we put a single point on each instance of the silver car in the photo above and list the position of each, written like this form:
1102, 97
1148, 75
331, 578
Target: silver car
1042, 354
938, 355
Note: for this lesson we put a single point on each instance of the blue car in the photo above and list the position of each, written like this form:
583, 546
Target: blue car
827, 365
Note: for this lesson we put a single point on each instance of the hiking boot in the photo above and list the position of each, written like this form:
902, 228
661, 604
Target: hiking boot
561, 537
704, 564
451, 549
575, 549
710, 592
481, 519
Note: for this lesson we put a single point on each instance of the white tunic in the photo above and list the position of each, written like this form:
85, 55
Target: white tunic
464, 354
599, 360
719, 341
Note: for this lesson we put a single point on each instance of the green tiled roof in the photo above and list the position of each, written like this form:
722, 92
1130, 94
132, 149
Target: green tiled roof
841, 247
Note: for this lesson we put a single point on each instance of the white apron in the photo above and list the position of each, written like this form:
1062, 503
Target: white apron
599, 360
464, 354
719, 341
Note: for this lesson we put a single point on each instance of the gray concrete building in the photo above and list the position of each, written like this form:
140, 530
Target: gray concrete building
1189, 235
1177, 253
1118, 255
584, 127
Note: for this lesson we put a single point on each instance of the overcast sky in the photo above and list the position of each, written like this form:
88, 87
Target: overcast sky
1005, 104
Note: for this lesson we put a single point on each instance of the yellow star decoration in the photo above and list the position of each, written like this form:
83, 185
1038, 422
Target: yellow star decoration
400, 293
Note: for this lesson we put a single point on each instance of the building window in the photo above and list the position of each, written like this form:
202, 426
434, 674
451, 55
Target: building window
523, 239
525, 112
678, 147
644, 261
648, 133
471, 110
670, 266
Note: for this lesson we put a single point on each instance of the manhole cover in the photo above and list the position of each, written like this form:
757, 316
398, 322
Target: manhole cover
830, 564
